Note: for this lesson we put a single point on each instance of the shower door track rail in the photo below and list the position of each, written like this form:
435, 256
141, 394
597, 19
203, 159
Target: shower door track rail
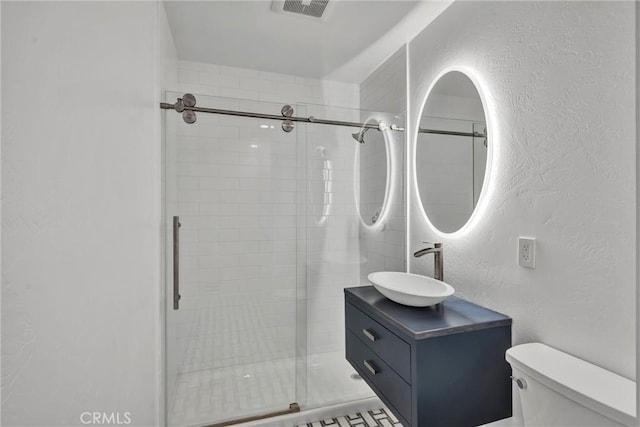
186, 104
310, 119
293, 408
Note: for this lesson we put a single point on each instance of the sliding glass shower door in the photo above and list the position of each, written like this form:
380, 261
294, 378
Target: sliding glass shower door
265, 229
231, 184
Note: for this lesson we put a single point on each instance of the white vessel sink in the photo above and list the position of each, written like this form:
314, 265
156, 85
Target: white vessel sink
410, 289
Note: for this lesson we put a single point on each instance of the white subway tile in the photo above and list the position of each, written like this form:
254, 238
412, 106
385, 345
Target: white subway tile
219, 130
197, 169
228, 235
217, 183
218, 80
187, 183
239, 72
188, 208
256, 209
238, 93
245, 247
218, 209
257, 84
276, 77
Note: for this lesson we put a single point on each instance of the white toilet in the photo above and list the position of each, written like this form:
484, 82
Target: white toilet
557, 389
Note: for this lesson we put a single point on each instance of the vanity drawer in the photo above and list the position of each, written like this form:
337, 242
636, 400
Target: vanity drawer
394, 351
385, 382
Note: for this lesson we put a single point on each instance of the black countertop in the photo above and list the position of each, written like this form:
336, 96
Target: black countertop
453, 316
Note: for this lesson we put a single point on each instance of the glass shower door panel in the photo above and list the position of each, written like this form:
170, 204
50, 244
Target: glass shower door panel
231, 346
333, 253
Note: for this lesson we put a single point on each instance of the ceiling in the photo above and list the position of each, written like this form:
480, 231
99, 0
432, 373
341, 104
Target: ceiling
249, 34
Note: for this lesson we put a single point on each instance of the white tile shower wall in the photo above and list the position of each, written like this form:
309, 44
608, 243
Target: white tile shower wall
232, 82
333, 258
236, 201
271, 205
560, 88
236, 193
385, 90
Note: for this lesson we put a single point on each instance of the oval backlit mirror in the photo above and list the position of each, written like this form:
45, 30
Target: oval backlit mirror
372, 173
451, 152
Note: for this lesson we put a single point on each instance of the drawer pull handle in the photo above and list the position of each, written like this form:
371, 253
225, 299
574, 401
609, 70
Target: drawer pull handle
370, 366
367, 333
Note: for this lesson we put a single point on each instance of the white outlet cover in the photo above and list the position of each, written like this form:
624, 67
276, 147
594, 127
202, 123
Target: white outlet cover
527, 252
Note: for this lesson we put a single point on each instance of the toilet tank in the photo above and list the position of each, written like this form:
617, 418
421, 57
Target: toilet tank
562, 390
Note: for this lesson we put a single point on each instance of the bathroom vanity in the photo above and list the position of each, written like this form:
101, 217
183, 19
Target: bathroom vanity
432, 366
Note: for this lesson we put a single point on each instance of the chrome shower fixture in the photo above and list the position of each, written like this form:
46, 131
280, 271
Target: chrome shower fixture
359, 136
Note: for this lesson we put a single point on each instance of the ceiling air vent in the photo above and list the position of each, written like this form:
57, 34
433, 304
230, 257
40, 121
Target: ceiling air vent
318, 9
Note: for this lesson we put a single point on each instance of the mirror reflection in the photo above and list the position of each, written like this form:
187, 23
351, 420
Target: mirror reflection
451, 152
372, 172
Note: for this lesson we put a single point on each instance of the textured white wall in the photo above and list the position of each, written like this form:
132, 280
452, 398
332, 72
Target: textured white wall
81, 212
559, 83
637, 22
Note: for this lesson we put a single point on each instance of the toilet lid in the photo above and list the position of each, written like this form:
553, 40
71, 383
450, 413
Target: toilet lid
591, 386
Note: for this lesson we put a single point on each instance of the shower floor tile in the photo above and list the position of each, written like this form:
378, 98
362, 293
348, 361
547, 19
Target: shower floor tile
330, 382
375, 418
214, 395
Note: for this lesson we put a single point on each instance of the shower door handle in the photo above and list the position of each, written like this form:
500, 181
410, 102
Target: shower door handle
176, 262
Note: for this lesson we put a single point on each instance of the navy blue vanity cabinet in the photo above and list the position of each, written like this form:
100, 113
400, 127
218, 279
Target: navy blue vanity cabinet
431, 366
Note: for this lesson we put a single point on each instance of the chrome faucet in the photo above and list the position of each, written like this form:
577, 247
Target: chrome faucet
438, 265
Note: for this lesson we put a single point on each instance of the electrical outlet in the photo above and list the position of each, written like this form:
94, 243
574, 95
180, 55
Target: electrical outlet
527, 252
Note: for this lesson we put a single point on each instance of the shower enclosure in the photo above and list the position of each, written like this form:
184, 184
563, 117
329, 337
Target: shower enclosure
262, 235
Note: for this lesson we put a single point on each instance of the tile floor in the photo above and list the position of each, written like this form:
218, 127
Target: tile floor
329, 381
214, 395
238, 333
375, 418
